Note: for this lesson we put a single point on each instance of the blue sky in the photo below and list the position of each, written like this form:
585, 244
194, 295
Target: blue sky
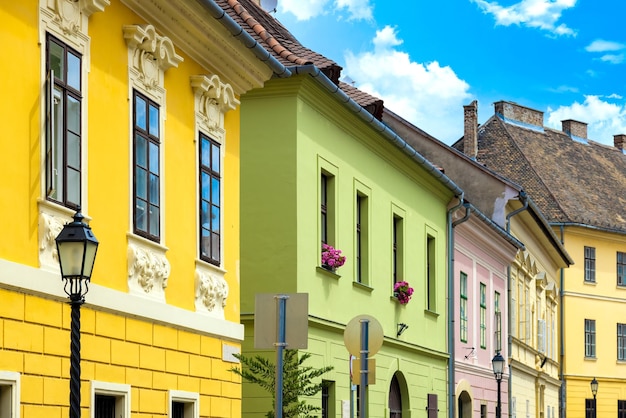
426, 59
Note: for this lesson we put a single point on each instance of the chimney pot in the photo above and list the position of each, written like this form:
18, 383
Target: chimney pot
620, 141
575, 128
514, 112
470, 130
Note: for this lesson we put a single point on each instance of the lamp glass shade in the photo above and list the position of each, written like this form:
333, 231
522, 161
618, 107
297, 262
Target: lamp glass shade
77, 258
498, 364
76, 247
594, 387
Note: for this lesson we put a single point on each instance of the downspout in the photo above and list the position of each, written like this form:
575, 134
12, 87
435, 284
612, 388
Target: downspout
562, 391
451, 328
524, 198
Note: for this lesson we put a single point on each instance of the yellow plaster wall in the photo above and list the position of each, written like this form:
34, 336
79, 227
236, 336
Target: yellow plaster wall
152, 358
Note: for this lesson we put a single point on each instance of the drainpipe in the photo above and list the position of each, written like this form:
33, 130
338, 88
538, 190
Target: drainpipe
562, 391
524, 199
451, 328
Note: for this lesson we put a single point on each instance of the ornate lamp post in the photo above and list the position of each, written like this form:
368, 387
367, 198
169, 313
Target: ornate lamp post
498, 367
76, 247
594, 391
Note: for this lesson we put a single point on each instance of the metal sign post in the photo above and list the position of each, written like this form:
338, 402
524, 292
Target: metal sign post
281, 301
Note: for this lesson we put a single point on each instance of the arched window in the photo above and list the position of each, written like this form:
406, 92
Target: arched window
395, 399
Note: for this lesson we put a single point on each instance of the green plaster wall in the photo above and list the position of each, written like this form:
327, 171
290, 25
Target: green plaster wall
292, 129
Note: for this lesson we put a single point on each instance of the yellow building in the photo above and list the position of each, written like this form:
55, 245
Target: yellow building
129, 111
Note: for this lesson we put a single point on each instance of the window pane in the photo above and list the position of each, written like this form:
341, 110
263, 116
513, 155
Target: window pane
206, 220
205, 152
141, 211
140, 151
205, 186
215, 219
73, 186
215, 191
154, 220
73, 114
215, 246
205, 243
140, 112
73, 71
154, 189
215, 158
154, 121
73, 150
154, 157
56, 61
141, 183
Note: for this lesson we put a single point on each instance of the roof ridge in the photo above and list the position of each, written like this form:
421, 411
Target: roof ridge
264, 34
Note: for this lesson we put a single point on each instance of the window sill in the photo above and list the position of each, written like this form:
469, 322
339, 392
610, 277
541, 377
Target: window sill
327, 272
362, 286
431, 313
591, 358
588, 283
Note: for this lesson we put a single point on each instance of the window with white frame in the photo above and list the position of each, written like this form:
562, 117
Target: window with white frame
463, 307
9, 394
483, 315
210, 200
110, 400
621, 342
590, 264
590, 338
184, 404
498, 322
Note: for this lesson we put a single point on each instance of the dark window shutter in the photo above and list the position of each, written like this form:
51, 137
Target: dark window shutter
432, 405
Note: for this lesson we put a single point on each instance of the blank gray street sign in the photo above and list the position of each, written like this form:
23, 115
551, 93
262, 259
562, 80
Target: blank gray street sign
296, 320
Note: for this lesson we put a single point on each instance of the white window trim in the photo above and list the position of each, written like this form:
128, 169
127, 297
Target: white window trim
212, 99
119, 390
184, 397
68, 23
12, 379
146, 69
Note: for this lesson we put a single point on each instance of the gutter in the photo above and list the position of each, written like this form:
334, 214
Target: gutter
245, 38
562, 389
377, 125
524, 198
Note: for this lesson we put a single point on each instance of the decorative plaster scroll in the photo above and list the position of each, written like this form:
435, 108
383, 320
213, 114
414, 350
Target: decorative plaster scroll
152, 54
67, 13
213, 99
148, 272
211, 293
49, 228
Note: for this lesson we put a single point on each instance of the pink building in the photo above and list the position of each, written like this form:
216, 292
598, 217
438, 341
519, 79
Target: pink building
482, 253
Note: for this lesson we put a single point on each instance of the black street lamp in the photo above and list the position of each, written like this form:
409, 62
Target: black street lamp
594, 391
76, 247
498, 367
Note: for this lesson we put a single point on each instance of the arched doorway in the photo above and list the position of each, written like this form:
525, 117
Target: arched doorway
395, 398
465, 405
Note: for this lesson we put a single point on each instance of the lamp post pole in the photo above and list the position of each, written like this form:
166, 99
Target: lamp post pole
498, 367
76, 248
594, 391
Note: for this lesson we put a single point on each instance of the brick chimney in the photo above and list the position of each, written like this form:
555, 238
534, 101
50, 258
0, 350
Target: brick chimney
620, 142
575, 128
470, 130
521, 114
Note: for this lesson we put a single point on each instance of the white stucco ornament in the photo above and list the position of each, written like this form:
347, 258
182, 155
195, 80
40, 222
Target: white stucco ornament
148, 272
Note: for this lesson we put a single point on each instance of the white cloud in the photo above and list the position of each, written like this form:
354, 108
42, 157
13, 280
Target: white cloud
358, 9
428, 95
604, 119
612, 58
600, 45
307, 9
542, 14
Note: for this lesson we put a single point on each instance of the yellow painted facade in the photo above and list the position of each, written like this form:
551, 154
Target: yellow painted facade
603, 301
160, 323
